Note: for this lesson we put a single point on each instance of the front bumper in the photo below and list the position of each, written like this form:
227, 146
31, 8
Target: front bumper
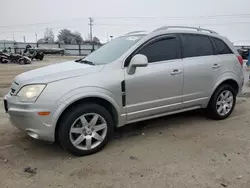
25, 117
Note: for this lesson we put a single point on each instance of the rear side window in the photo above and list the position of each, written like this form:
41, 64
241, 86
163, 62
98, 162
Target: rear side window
197, 45
221, 46
162, 50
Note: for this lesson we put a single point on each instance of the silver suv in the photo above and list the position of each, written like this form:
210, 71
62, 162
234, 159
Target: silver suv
133, 78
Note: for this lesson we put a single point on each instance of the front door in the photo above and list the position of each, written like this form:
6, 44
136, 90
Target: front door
157, 88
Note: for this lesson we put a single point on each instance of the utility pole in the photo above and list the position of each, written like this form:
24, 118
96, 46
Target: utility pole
90, 32
90, 28
13, 36
24, 39
36, 40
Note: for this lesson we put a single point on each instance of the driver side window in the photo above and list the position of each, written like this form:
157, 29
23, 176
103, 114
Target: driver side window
162, 50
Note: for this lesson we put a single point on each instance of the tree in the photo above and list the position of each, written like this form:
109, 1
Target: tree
67, 37
96, 40
78, 37
49, 36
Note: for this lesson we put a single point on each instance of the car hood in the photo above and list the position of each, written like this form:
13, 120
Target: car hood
56, 72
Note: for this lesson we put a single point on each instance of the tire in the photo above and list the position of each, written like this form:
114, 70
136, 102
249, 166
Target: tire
21, 61
71, 119
214, 110
41, 57
4, 61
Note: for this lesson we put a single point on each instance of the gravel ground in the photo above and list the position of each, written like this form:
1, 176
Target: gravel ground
184, 150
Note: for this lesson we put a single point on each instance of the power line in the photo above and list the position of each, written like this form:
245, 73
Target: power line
178, 17
131, 25
43, 23
212, 24
126, 18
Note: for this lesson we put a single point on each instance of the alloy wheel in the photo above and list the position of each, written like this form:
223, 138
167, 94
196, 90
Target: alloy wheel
88, 131
224, 103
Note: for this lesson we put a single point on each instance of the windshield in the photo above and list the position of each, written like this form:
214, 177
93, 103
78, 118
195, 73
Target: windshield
112, 50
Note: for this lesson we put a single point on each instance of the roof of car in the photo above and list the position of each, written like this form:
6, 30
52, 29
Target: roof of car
175, 29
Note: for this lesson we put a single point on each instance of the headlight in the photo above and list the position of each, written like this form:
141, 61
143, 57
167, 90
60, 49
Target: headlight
30, 93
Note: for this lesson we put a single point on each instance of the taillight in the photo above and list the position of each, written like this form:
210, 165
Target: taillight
240, 60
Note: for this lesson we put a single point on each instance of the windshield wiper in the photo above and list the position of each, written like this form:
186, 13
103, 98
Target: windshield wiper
85, 61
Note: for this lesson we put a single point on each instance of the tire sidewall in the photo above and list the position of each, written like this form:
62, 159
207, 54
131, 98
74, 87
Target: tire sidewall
21, 62
70, 117
213, 102
41, 56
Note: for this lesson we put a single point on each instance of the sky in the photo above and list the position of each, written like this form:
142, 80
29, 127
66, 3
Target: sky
19, 18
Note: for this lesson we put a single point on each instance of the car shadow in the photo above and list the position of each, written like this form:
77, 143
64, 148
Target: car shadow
41, 150
139, 128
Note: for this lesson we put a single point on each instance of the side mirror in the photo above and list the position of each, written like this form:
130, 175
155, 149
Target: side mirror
138, 60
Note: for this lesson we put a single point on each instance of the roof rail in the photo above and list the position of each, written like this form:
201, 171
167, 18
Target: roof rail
135, 32
184, 27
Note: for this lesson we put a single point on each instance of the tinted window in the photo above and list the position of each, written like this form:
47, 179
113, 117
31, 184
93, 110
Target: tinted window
197, 45
162, 50
221, 47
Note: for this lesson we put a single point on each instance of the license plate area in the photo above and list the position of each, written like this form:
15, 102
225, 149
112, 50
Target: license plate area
5, 105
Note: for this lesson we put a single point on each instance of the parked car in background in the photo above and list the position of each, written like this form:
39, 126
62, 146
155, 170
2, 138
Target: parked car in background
132, 78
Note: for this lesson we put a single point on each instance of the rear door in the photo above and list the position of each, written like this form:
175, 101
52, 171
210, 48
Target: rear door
201, 69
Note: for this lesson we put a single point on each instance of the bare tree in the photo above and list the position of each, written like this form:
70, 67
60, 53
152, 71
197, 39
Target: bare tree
49, 36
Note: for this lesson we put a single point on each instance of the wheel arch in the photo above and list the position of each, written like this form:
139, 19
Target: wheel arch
230, 81
107, 104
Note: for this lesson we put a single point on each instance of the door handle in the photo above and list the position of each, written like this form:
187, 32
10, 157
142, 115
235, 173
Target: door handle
216, 66
176, 71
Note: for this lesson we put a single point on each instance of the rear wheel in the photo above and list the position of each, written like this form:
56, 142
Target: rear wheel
222, 102
85, 129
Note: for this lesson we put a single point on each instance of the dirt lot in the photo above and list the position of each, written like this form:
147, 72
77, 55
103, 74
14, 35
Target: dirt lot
185, 150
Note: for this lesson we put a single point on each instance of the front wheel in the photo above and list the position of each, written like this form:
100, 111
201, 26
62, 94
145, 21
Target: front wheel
222, 102
85, 129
